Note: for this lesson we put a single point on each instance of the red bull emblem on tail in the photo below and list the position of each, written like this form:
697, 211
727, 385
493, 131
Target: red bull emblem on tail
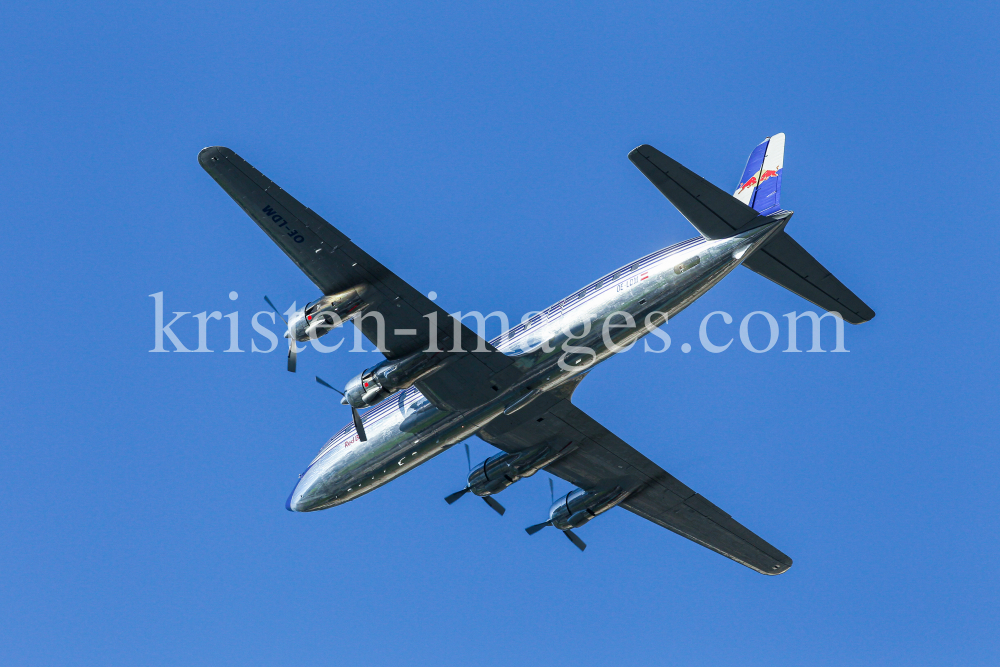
753, 180
750, 183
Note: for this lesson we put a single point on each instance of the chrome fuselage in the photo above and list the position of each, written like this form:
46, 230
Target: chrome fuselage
552, 348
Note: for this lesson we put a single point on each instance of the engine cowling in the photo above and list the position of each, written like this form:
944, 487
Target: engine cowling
325, 314
578, 507
501, 470
385, 379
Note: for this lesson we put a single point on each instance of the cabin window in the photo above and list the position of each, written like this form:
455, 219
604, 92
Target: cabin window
690, 264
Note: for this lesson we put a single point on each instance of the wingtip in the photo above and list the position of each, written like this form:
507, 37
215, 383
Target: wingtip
640, 151
209, 154
778, 568
859, 318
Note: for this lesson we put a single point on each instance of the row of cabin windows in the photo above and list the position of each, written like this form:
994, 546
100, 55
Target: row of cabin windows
593, 287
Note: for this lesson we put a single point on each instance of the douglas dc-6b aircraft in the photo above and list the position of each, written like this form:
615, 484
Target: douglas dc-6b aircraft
441, 382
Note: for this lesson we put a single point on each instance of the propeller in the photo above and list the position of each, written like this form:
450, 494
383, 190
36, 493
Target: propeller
292, 348
358, 424
531, 530
489, 500
580, 544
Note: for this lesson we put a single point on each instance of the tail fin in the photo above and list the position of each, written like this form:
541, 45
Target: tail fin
782, 260
760, 186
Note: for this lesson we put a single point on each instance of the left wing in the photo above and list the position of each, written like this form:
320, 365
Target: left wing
335, 264
600, 458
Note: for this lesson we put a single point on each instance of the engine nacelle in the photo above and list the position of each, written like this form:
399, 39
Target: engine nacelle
327, 313
392, 375
578, 507
501, 470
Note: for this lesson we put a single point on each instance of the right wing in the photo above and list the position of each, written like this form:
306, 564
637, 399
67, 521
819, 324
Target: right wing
600, 458
335, 264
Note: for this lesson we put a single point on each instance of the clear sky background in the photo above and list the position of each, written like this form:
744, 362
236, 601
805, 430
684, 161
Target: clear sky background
480, 151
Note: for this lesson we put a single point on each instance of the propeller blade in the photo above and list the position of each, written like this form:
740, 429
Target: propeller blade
468, 458
455, 496
358, 424
328, 385
531, 530
276, 311
291, 355
552, 491
575, 540
495, 505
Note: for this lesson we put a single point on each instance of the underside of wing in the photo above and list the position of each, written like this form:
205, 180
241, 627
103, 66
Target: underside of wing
599, 458
335, 264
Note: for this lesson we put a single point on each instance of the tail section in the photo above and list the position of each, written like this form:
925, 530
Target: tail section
716, 215
760, 186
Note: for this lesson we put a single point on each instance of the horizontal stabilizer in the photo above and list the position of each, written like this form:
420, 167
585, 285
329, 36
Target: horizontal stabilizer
787, 263
715, 213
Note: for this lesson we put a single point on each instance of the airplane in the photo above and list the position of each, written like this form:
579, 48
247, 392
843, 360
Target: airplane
441, 383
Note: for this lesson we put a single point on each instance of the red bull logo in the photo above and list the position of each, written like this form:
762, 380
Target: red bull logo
754, 181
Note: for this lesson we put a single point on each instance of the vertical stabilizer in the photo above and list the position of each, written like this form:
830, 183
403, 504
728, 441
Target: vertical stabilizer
760, 186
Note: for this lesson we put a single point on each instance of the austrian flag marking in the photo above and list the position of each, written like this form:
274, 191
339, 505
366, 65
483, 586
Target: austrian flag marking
644, 275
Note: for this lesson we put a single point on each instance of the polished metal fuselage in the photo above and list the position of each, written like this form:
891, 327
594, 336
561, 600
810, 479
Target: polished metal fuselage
553, 348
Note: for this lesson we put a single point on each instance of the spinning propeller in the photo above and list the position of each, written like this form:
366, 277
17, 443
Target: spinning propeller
358, 424
487, 499
531, 530
292, 349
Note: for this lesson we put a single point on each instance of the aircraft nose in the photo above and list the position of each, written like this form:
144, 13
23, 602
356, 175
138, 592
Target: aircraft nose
293, 500
307, 494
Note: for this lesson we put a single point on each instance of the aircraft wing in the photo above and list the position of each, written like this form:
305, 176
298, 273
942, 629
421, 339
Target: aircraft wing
329, 258
599, 458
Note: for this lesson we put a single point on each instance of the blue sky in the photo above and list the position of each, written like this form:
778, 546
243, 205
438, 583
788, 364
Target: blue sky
480, 151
